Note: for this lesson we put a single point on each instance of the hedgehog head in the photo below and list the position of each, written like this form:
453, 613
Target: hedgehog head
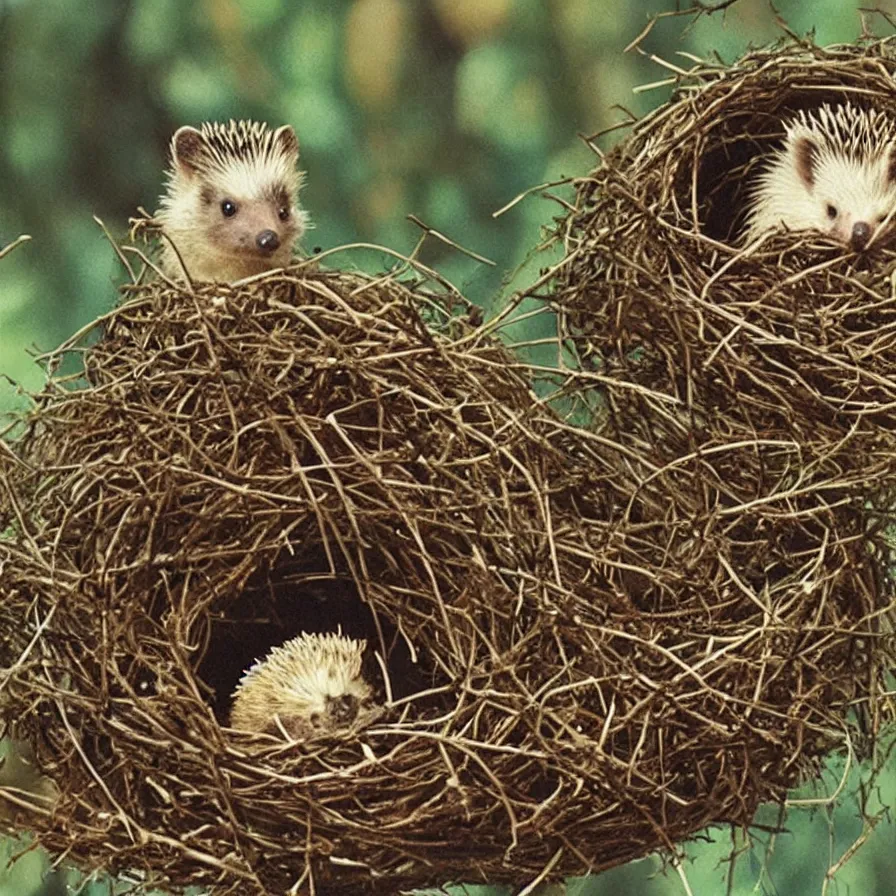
311, 684
231, 207
845, 159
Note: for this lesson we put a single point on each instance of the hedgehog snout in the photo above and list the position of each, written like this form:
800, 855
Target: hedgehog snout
267, 241
861, 233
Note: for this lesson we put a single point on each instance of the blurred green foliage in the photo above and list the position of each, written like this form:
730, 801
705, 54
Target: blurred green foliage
445, 109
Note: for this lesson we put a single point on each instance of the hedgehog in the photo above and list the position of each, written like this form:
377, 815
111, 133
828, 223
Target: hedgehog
231, 205
310, 685
835, 174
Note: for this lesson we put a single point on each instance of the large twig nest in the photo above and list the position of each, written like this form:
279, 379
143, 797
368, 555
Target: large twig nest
578, 677
758, 382
238, 466
234, 469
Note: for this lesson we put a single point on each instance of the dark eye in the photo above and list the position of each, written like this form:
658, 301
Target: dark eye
881, 218
831, 211
228, 208
283, 213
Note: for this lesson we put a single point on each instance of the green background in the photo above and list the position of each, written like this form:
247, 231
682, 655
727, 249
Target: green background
444, 109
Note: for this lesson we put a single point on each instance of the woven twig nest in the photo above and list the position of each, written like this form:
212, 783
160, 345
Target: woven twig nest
758, 385
238, 466
573, 680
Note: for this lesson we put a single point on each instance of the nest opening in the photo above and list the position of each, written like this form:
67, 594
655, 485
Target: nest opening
737, 145
288, 598
711, 142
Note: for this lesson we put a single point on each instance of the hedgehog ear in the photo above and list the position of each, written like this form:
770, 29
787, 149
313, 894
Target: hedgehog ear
805, 152
286, 141
187, 148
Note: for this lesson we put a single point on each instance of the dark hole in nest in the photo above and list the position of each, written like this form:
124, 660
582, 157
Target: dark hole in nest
284, 600
729, 169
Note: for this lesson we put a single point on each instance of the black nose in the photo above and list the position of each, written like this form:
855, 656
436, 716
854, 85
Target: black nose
861, 233
268, 241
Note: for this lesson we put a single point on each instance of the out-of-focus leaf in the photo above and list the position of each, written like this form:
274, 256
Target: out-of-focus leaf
375, 36
473, 21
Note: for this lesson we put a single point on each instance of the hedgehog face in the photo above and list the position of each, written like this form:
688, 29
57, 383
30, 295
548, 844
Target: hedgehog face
231, 208
322, 700
847, 198
836, 174
257, 229
316, 689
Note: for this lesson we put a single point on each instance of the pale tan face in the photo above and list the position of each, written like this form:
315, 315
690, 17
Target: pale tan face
845, 197
855, 198
255, 230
